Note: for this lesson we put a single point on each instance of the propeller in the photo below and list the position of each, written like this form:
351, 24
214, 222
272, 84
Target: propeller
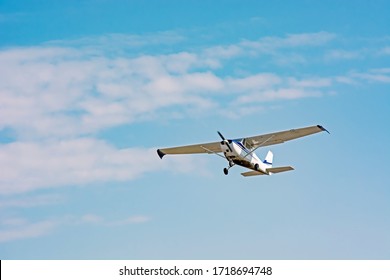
225, 141
220, 135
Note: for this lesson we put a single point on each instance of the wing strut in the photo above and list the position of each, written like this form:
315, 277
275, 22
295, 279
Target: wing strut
231, 163
260, 145
212, 152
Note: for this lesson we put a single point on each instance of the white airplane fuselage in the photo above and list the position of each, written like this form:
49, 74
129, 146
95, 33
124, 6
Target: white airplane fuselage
236, 153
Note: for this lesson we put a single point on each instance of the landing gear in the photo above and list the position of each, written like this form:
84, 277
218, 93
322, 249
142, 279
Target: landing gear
231, 164
257, 166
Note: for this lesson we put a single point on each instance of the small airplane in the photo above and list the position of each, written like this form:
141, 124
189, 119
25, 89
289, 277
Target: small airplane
242, 151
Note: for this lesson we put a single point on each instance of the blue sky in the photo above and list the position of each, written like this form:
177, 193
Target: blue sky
90, 89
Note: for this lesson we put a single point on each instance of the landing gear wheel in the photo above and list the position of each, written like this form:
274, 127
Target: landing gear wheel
257, 166
226, 171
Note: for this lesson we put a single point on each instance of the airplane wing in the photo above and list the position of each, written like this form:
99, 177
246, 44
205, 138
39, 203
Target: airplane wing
208, 148
280, 137
250, 142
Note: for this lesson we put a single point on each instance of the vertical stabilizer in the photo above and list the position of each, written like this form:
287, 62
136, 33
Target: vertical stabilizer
269, 158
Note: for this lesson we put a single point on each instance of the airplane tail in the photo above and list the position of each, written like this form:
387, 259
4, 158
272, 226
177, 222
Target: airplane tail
269, 170
268, 159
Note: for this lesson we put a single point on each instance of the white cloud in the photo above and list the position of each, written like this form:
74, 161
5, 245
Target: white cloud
287, 50
63, 92
99, 220
270, 44
120, 43
55, 98
224, 52
381, 75
344, 54
18, 228
310, 83
136, 219
91, 219
376, 75
279, 94
31, 166
345, 80
22, 230
309, 39
59, 96
33, 201
68, 96
269, 87
253, 82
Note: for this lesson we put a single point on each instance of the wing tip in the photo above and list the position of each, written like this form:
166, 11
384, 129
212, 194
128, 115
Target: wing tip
160, 153
323, 128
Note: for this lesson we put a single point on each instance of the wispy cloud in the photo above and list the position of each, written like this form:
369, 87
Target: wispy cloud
279, 94
31, 201
270, 44
283, 50
64, 92
381, 75
20, 229
105, 222
12, 229
119, 42
310, 83
137, 219
28, 166
62, 96
287, 89
344, 54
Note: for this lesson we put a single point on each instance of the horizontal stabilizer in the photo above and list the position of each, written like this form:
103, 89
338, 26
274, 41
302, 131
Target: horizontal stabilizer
252, 173
279, 169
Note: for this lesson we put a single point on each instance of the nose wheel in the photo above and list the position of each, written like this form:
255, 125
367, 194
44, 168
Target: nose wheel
226, 169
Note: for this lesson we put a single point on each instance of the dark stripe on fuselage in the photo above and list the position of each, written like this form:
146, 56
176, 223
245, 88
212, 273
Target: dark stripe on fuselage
242, 146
